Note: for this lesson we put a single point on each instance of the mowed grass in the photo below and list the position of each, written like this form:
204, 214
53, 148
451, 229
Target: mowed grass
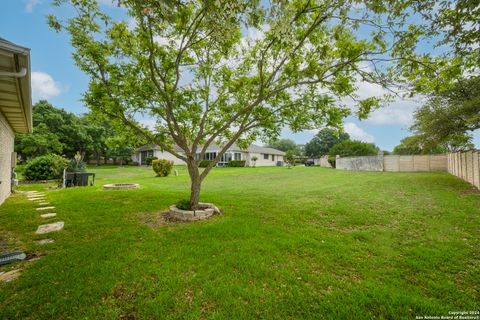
304, 243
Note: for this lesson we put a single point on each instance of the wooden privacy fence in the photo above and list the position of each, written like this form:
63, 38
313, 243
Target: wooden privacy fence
466, 166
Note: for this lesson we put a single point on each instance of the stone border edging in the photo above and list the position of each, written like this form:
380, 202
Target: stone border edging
194, 215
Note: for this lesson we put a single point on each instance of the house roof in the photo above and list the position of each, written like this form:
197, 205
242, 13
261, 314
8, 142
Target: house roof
15, 90
213, 147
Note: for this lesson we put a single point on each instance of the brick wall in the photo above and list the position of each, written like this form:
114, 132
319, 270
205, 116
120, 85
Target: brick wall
6, 149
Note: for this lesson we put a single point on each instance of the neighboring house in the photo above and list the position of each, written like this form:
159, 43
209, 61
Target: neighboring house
15, 107
265, 156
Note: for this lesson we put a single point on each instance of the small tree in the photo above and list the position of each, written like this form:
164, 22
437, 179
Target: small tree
254, 160
290, 158
196, 68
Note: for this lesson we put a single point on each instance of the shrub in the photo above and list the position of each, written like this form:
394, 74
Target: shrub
46, 167
149, 160
76, 164
183, 204
204, 163
162, 167
254, 161
134, 163
331, 160
236, 163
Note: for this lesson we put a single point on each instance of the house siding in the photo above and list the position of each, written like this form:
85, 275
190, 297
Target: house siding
168, 156
6, 148
261, 162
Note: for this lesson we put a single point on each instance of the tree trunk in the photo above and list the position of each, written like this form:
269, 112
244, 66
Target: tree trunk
196, 184
97, 155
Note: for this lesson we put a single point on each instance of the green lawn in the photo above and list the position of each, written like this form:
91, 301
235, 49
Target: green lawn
301, 243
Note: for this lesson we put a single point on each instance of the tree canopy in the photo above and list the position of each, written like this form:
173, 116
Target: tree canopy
235, 71
323, 141
350, 148
450, 116
285, 145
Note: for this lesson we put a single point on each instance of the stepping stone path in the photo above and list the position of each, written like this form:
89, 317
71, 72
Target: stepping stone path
45, 241
46, 228
43, 203
48, 215
35, 199
45, 208
9, 275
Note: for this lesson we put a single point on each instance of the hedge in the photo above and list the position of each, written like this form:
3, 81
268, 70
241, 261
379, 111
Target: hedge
236, 163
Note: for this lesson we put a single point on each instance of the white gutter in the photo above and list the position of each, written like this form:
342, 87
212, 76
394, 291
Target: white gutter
22, 73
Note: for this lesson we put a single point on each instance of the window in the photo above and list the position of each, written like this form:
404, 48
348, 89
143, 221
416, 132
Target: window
237, 156
273, 157
265, 156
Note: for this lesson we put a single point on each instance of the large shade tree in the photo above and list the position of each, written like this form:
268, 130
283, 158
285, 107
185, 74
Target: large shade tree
323, 141
235, 71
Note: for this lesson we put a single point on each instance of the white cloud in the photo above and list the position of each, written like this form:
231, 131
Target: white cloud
44, 87
397, 112
30, 5
357, 133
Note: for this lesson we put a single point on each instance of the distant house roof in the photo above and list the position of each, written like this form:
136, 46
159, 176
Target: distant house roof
15, 90
213, 147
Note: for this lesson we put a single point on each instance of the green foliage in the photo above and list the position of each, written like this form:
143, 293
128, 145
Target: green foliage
332, 160
323, 141
77, 164
415, 145
149, 160
183, 204
45, 167
450, 116
289, 158
162, 167
174, 62
284, 145
236, 163
204, 163
350, 148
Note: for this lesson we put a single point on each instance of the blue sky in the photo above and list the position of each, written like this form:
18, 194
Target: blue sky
56, 78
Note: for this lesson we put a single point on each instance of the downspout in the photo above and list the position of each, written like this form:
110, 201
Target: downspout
22, 73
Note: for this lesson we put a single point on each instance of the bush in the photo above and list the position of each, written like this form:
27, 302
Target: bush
350, 148
162, 167
331, 160
149, 160
45, 167
134, 163
236, 163
204, 163
76, 166
183, 204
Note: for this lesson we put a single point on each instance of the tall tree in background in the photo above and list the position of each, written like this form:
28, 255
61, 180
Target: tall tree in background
323, 141
55, 131
449, 117
285, 145
234, 71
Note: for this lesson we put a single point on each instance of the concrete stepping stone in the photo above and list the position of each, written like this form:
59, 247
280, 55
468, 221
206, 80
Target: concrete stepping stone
37, 198
48, 215
9, 275
45, 241
45, 208
43, 203
46, 228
